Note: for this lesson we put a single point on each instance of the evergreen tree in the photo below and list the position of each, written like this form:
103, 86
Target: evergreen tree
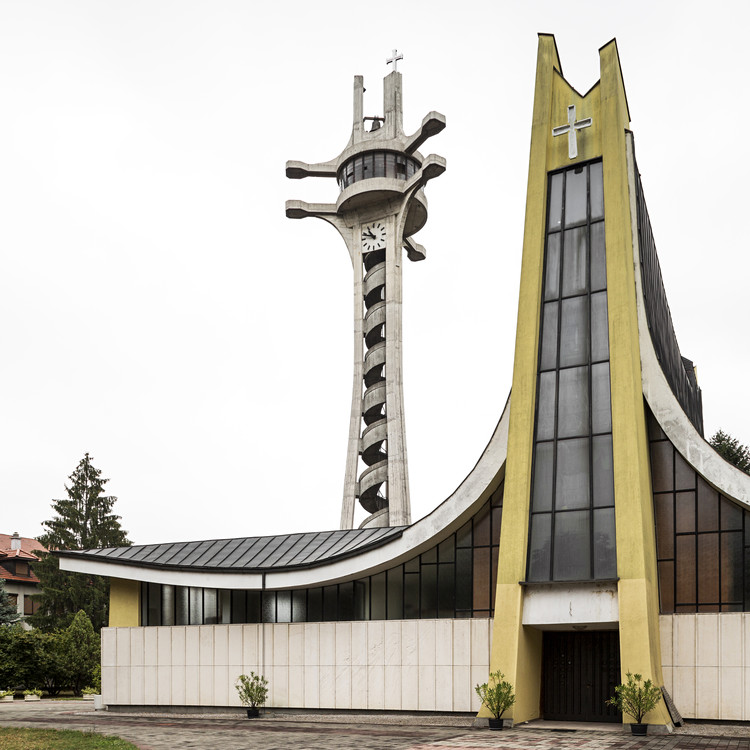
79, 652
731, 450
83, 520
8, 613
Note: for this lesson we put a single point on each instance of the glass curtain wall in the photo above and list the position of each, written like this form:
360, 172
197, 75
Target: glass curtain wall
572, 525
454, 579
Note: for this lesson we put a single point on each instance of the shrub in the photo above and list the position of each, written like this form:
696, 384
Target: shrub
252, 690
636, 697
497, 696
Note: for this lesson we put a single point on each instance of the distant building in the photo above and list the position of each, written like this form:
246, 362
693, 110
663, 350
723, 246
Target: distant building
17, 558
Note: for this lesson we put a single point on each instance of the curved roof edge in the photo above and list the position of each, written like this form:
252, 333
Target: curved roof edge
452, 513
725, 477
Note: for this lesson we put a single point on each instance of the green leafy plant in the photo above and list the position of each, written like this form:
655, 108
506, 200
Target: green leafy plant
496, 695
90, 691
4, 693
252, 690
33, 691
636, 697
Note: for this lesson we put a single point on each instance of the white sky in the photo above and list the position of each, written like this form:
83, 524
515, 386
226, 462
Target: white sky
159, 311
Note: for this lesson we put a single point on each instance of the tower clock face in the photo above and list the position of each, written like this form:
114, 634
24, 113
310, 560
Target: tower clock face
373, 236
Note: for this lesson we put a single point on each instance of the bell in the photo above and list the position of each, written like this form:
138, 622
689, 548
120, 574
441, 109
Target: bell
375, 125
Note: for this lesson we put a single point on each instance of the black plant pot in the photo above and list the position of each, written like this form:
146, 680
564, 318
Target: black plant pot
496, 724
639, 729
253, 712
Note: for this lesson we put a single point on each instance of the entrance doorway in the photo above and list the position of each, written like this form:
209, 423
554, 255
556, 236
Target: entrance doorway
579, 673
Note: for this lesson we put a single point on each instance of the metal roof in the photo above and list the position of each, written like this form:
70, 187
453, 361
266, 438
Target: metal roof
246, 554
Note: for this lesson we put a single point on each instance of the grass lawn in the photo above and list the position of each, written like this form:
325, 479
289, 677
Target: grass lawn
12, 738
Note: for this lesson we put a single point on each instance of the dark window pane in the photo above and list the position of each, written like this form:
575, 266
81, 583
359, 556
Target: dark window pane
575, 196
572, 547
666, 587
411, 595
463, 579
330, 603
429, 591
661, 467
412, 566
482, 558
605, 553
196, 605
572, 486
463, 535
664, 512
542, 494
154, 604
497, 518
685, 566
253, 606
539, 547
210, 606
574, 329
431, 555
654, 431
299, 605
685, 512
284, 606
708, 507
731, 566
315, 605
380, 165
596, 190
493, 576
362, 599
395, 580
482, 526
598, 258
377, 596
575, 262
731, 516
684, 476
167, 605
555, 201
708, 568
548, 359
446, 590
346, 601
238, 606
552, 268
268, 604
545, 425
447, 550
599, 327
573, 409
601, 411
604, 489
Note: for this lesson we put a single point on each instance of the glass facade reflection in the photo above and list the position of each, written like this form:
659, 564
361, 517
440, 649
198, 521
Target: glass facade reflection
376, 164
455, 578
572, 527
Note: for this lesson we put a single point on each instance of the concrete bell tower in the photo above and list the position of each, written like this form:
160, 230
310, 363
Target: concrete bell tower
381, 176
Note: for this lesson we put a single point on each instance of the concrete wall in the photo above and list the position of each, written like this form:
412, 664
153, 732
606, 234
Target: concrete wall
400, 665
706, 664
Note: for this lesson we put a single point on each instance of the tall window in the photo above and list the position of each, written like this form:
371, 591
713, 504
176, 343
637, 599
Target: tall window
572, 504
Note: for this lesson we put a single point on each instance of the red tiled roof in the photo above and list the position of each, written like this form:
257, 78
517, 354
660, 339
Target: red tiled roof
8, 576
28, 545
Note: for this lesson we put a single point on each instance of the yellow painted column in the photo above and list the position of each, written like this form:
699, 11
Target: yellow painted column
638, 594
124, 603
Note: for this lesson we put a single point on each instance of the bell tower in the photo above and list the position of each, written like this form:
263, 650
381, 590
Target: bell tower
381, 204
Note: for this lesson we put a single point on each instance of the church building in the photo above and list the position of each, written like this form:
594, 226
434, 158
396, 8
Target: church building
597, 534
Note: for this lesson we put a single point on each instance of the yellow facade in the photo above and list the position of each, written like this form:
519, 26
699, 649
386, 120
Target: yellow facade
124, 603
517, 648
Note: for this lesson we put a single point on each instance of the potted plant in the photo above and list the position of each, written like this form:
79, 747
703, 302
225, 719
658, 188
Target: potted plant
7, 695
496, 696
253, 691
89, 693
32, 695
636, 698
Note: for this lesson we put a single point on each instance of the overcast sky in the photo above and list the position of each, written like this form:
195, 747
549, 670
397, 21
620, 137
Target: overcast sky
158, 310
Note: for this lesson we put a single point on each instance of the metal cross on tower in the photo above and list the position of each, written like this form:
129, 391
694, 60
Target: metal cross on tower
394, 59
570, 129
381, 176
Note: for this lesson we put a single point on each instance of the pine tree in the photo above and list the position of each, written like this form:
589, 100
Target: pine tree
84, 520
8, 613
731, 450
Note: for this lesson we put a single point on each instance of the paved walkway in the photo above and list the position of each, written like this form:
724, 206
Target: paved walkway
336, 732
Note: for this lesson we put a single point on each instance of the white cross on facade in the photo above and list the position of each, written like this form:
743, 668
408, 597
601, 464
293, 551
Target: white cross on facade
570, 129
396, 57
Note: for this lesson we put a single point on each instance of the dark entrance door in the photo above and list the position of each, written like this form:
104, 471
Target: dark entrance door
579, 673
